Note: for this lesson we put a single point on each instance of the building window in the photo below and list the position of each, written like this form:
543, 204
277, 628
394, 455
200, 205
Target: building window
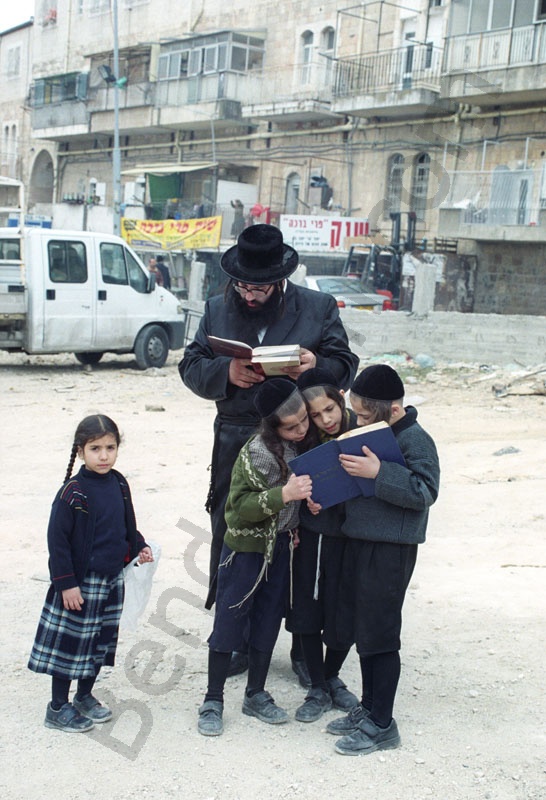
47, 13
292, 193
306, 56
97, 6
13, 62
395, 174
419, 189
10, 147
327, 49
59, 89
480, 16
210, 55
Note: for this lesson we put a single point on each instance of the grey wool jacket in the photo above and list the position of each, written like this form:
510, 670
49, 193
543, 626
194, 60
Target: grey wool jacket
398, 512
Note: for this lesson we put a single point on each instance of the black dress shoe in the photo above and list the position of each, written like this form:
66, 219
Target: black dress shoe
300, 668
238, 664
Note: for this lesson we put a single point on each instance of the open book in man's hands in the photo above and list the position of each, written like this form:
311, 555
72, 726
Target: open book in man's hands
267, 359
331, 483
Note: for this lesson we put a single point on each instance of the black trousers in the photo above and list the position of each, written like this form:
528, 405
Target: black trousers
228, 440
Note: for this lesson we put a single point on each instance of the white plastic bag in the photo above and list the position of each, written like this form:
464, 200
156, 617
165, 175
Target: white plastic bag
138, 586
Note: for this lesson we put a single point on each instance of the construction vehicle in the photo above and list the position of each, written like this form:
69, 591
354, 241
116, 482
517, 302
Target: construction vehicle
378, 266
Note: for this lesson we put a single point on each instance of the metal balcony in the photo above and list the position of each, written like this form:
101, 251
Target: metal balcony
495, 67
404, 81
292, 93
500, 204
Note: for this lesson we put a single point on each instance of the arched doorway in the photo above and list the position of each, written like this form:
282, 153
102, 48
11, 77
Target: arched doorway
292, 193
40, 198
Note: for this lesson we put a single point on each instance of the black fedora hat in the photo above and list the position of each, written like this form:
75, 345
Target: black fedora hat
260, 256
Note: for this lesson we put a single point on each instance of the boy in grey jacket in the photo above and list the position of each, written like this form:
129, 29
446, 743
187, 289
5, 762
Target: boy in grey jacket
384, 532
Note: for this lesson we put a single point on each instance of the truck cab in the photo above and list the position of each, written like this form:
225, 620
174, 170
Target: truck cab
83, 292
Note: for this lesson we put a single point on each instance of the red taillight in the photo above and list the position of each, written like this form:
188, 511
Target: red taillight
341, 303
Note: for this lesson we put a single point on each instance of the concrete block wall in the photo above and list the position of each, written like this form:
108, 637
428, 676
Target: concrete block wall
510, 278
450, 336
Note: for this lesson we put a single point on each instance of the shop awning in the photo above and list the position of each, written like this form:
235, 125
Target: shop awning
167, 169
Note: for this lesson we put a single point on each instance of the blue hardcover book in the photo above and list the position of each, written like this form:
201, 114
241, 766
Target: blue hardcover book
331, 484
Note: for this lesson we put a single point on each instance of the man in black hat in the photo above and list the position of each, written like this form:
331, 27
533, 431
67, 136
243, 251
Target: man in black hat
259, 306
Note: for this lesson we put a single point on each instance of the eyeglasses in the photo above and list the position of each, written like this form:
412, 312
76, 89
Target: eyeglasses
242, 289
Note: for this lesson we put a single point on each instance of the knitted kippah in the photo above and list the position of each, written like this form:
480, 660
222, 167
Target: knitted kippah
379, 382
316, 377
272, 394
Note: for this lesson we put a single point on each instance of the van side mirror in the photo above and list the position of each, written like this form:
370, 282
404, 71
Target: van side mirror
151, 283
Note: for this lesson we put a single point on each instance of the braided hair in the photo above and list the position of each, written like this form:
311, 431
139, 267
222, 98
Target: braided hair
93, 427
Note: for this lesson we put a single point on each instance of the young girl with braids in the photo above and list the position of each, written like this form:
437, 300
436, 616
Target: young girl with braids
91, 535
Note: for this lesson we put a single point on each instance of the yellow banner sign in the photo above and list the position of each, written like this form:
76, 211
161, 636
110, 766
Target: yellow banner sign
172, 234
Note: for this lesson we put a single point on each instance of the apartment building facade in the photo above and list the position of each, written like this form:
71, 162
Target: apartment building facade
15, 78
423, 106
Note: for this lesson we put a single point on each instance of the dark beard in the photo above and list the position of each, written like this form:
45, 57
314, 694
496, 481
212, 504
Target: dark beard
264, 316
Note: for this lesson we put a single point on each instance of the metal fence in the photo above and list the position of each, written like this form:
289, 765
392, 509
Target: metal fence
498, 197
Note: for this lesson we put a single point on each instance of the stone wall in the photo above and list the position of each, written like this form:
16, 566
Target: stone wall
450, 336
510, 278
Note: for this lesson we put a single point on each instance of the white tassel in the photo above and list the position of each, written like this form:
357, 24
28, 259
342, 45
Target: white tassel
291, 568
263, 572
317, 572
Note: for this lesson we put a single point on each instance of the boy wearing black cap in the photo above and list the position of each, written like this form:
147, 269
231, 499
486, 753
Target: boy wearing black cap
384, 532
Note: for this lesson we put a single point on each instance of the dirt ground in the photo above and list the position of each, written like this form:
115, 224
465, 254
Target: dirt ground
471, 702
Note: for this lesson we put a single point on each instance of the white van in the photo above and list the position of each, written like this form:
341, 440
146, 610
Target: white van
86, 293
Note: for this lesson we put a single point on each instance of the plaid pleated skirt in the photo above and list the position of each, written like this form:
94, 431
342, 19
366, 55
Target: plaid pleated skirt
76, 644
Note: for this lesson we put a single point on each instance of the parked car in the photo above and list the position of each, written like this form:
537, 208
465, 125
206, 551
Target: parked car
347, 291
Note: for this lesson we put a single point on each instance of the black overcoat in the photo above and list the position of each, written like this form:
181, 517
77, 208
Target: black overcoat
310, 319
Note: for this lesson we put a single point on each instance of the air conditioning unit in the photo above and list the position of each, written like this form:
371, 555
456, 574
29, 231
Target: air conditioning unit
228, 109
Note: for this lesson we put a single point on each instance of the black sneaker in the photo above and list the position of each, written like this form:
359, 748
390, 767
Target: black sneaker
89, 707
262, 706
67, 719
315, 704
238, 664
300, 668
210, 718
349, 723
342, 698
368, 738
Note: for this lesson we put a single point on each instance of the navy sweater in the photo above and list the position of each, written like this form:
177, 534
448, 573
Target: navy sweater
72, 530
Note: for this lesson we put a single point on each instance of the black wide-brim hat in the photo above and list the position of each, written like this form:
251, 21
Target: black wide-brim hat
260, 256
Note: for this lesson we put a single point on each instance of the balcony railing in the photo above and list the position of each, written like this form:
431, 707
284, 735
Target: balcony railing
257, 87
409, 67
68, 114
132, 95
496, 49
498, 197
310, 81
199, 89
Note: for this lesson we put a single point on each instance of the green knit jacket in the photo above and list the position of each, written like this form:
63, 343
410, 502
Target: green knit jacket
252, 509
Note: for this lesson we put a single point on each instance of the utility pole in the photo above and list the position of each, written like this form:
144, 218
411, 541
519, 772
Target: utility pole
116, 155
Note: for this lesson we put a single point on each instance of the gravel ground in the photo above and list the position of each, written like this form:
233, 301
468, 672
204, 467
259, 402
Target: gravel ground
471, 702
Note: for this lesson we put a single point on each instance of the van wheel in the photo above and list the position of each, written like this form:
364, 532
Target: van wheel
89, 358
151, 347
